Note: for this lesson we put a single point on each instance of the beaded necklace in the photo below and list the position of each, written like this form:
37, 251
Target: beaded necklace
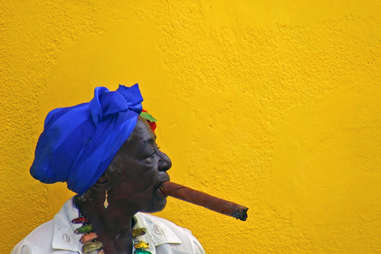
91, 244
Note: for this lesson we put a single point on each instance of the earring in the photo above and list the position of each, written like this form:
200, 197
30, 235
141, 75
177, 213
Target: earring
105, 204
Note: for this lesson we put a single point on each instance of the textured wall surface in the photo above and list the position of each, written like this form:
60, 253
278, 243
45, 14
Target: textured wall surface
273, 104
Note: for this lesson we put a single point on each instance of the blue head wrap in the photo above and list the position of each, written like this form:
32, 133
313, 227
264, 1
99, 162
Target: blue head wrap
78, 143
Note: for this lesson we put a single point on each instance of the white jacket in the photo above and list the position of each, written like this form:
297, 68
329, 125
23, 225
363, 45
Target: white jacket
57, 236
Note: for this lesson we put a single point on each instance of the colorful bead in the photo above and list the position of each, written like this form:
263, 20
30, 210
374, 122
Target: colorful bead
141, 251
141, 245
79, 220
138, 232
93, 252
84, 229
88, 237
92, 246
151, 121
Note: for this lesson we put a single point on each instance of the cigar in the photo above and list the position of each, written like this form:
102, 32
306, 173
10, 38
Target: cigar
202, 199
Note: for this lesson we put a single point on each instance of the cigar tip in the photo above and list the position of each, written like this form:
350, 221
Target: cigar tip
240, 214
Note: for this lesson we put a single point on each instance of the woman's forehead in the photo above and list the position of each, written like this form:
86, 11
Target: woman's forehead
143, 130
141, 136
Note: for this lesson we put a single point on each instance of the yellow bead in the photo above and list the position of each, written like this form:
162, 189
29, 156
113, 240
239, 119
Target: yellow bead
138, 232
141, 245
91, 246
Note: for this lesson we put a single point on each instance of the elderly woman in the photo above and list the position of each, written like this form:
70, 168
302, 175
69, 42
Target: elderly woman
106, 152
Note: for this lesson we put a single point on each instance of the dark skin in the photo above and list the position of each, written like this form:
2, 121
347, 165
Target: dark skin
132, 181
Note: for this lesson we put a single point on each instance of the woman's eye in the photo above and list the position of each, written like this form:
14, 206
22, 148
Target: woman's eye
150, 155
152, 152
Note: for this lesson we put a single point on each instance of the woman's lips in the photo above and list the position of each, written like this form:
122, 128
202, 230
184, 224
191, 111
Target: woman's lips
164, 177
161, 179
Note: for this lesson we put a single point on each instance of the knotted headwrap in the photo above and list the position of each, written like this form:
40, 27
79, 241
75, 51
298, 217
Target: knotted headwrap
78, 143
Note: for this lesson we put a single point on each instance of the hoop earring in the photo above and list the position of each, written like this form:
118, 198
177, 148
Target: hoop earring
105, 204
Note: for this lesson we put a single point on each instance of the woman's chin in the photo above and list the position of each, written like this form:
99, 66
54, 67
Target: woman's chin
162, 204
158, 204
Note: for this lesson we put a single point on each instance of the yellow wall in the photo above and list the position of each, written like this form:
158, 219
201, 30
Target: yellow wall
273, 104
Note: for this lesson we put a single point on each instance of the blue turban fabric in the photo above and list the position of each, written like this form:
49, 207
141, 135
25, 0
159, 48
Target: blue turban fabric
79, 142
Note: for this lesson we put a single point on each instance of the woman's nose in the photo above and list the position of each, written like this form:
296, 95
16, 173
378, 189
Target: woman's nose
164, 162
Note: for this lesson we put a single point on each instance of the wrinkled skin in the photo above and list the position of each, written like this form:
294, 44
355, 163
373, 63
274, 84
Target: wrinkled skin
143, 167
132, 182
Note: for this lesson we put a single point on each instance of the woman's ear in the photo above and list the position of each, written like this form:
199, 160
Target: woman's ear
105, 178
103, 183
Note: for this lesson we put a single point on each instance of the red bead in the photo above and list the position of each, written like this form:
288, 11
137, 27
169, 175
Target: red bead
152, 125
88, 237
79, 220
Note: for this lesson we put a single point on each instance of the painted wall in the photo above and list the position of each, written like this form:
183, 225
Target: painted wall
273, 104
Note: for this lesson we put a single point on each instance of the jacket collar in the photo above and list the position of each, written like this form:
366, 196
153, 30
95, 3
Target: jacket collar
157, 232
63, 233
64, 237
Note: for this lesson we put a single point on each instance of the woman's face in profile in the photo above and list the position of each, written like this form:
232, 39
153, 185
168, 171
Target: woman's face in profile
141, 169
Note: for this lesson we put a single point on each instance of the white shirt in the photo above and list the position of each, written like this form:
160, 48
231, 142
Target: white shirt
57, 236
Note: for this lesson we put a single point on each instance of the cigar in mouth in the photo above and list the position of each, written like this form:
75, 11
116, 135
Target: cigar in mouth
202, 199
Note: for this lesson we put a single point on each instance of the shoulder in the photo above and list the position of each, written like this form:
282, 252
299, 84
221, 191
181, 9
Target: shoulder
38, 241
166, 234
56, 235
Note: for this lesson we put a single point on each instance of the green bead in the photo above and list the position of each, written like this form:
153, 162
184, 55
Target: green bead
147, 116
84, 229
141, 251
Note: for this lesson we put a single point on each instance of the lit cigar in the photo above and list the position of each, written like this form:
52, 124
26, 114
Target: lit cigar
202, 199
